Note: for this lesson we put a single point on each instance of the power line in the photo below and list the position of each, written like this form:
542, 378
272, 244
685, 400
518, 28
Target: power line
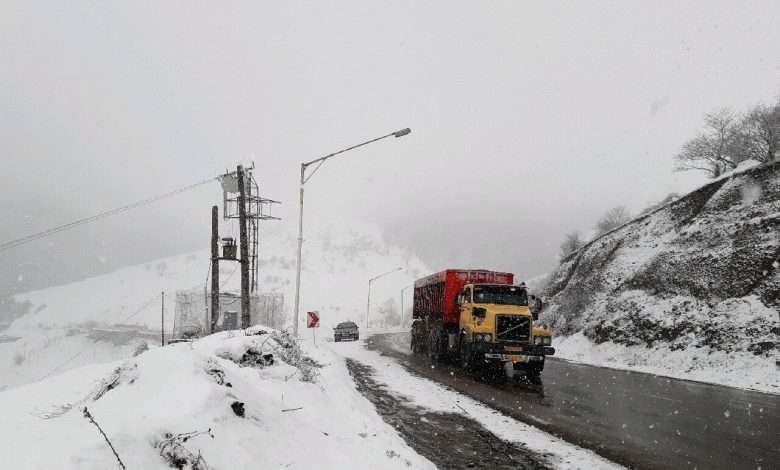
102, 215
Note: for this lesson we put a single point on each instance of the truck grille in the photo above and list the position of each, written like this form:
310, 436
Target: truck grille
513, 328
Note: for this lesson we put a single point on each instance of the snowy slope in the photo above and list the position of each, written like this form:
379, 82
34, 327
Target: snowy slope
288, 422
66, 325
691, 290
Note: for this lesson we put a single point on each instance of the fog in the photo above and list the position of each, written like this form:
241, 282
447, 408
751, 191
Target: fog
528, 120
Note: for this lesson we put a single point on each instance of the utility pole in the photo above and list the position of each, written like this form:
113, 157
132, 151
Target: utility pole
300, 248
162, 321
245, 313
214, 268
368, 302
402, 303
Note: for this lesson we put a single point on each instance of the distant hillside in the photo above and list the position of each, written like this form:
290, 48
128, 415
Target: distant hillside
698, 279
62, 327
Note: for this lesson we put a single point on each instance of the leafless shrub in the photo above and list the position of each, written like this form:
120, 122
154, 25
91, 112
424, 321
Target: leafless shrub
613, 219
174, 453
571, 243
291, 353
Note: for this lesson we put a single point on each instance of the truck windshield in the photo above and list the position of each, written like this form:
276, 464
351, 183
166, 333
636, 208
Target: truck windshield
503, 295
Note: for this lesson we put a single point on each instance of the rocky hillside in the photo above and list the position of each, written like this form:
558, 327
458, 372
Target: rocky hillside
700, 274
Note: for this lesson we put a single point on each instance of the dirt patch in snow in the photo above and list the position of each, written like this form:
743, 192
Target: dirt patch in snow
449, 440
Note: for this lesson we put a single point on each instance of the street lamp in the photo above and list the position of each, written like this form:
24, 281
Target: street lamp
402, 303
304, 179
368, 304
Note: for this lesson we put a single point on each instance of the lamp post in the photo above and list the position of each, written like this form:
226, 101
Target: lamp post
368, 303
304, 179
402, 303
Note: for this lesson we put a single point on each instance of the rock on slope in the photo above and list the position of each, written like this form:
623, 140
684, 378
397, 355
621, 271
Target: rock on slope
692, 288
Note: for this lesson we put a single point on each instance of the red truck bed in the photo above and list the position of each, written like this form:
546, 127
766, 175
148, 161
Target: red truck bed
434, 295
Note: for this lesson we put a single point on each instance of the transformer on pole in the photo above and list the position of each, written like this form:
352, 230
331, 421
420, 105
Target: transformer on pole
242, 201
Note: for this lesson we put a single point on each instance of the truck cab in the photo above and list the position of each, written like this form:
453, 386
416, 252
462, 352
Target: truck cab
496, 326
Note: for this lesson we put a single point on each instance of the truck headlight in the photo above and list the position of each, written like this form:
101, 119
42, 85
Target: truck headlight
547, 340
483, 337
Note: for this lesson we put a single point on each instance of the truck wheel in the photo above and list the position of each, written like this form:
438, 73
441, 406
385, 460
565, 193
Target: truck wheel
466, 359
434, 346
534, 375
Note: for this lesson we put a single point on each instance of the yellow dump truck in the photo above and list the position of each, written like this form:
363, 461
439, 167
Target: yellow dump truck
480, 319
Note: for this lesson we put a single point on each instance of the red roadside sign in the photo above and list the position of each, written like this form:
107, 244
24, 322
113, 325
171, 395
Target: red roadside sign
314, 320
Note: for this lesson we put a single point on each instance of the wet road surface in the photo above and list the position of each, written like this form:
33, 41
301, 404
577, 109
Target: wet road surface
640, 420
468, 444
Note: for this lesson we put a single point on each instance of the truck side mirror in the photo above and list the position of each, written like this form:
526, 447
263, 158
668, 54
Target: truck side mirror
535, 307
479, 312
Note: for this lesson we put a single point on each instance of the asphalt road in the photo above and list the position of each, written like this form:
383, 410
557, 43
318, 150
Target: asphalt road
640, 420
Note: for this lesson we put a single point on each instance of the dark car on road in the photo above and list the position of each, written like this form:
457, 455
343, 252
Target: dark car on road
346, 330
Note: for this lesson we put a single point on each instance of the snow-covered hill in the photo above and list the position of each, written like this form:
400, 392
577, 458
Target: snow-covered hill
75, 324
690, 290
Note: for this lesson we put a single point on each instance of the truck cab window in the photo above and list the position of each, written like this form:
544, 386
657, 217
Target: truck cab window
500, 294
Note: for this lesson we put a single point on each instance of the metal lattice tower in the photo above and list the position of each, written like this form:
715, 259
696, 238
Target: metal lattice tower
257, 208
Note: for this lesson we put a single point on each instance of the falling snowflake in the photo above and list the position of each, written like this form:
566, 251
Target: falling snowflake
727, 414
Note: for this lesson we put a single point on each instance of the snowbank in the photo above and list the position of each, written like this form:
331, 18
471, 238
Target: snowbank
287, 423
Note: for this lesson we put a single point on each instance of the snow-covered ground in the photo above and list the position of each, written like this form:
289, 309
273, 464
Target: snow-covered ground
289, 422
295, 415
430, 395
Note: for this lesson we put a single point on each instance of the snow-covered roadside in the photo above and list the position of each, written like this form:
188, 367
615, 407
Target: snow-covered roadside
288, 423
428, 394
733, 369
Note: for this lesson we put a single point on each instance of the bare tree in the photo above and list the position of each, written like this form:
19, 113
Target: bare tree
717, 149
571, 243
760, 133
613, 219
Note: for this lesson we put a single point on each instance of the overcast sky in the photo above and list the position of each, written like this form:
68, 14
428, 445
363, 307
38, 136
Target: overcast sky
529, 120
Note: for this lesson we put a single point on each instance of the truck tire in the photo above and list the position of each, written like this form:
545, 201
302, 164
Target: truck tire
434, 345
466, 359
534, 375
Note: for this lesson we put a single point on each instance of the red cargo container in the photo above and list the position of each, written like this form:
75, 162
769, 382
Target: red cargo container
434, 295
